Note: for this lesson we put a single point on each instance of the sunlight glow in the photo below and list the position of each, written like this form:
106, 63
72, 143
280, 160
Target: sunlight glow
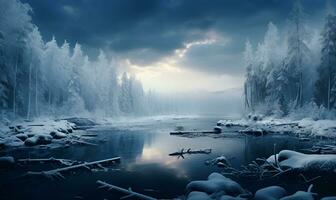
167, 75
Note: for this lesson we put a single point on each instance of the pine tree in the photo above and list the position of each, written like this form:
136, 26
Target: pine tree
325, 85
298, 54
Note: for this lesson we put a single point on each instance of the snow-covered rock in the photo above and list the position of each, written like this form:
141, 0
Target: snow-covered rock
229, 122
81, 123
11, 141
198, 196
305, 162
255, 131
217, 129
329, 198
57, 135
300, 195
216, 183
270, 193
31, 133
6, 161
220, 161
38, 140
227, 197
22, 136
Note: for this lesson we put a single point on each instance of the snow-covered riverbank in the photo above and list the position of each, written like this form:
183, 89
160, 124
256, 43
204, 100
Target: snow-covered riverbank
41, 132
306, 127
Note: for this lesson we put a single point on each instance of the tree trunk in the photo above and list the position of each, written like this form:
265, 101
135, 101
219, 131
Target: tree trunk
15, 85
329, 90
29, 91
36, 105
49, 99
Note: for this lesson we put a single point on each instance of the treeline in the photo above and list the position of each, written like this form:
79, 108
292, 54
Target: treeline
44, 78
293, 72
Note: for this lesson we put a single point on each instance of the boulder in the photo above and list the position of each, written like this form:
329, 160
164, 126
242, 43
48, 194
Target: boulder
270, 193
216, 183
58, 135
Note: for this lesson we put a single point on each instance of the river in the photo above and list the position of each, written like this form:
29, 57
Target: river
145, 166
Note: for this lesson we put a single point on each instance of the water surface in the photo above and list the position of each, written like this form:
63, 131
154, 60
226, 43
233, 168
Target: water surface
145, 164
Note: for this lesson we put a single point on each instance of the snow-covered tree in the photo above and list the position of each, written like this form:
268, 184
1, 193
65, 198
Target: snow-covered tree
298, 55
326, 84
125, 96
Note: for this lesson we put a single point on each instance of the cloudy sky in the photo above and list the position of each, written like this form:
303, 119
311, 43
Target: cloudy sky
171, 45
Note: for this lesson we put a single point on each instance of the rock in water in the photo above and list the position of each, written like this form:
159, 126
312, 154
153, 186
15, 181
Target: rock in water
57, 135
216, 183
217, 129
7, 162
22, 136
198, 196
253, 131
300, 195
270, 193
38, 140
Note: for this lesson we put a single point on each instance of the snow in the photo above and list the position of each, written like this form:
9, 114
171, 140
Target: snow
303, 127
227, 197
220, 161
270, 193
198, 196
219, 187
304, 162
300, 195
229, 122
37, 132
216, 183
38, 140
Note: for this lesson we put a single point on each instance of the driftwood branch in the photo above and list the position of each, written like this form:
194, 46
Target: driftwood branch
56, 173
189, 151
129, 191
190, 132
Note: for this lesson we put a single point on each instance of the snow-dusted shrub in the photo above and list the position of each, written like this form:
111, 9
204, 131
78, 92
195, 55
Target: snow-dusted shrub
311, 110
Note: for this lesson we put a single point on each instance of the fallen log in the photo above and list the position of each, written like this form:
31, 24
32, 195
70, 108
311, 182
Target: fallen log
128, 191
56, 173
65, 162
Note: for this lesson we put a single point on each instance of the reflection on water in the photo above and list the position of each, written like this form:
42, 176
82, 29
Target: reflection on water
145, 165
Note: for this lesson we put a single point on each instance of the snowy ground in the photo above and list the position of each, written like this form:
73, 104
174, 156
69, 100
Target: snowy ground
48, 132
306, 127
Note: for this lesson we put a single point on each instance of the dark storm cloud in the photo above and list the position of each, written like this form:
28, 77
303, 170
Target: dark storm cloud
146, 30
